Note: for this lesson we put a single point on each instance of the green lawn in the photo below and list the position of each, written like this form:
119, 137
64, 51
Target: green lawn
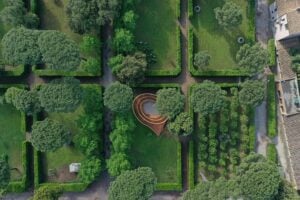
11, 137
157, 26
159, 153
54, 17
208, 35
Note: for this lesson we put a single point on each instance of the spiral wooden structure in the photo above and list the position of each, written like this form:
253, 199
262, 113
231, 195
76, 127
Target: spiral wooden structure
154, 121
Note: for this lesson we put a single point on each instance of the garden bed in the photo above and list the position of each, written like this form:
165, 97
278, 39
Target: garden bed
221, 139
157, 26
52, 168
205, 34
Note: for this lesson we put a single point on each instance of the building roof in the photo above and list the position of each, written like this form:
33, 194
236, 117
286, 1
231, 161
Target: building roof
284, 59
287, 6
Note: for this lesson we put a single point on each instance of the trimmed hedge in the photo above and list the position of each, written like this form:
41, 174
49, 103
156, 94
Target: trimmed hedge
272, 52
272, 153
272, 112
178, 8
15, 71
159, 85
251, 15
252, 134
191, 166
50, 72
190, 8
37, 168
166, 72
67, 187
33, 6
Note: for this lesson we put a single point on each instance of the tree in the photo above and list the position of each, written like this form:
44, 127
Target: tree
129, 20
90, 45
252, 58
61, 95
117, 164
13, 13
182, 126
252, 93
120, 140
59, 52
47, 193
49, 135
90, 169
118, 97
130, 69
169, 102
201, 59
132, 185
258, 178
88, 15
23, 100
91, 65
287, 192
19, 47
229, 16
123, 41
4, 173
207, 98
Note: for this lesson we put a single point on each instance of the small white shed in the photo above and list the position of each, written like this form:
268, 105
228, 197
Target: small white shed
74, 167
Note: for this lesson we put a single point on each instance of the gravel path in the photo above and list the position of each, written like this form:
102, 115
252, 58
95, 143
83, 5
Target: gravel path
261, 130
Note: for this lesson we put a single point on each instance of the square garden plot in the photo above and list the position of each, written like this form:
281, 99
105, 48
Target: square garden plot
205, 34
157, 27
161, 153
53, 167
53, 17
13, 143
221, 139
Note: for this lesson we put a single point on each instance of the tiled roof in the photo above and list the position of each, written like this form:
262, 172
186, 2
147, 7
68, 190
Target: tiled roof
286, 6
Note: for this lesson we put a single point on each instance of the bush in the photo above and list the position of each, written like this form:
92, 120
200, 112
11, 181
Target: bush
272, 153
90, 169
47, 193
272, 113
272, 52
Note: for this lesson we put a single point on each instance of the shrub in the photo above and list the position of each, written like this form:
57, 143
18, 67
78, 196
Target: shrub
272, 153
182, 126
90, 169
117, 164
272, 52
47, 193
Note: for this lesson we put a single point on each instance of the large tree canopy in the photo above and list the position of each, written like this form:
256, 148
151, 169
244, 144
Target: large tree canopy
229, 16
118, 97
19, 46
130, 69
182, 126
88, 15
207, 98
123, 41
169, 102
61, 95
4, 173
252, 58
49, 135
23, 100
258, 178
59, 52
137, 184
252, 93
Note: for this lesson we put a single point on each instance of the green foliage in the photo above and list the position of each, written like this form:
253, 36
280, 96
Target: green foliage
86, 16
272, 153
182, 125
129, 20
201, 59
61, 95
90, 45
258, 178
252, 93
47, 193
120, 139
117, 164
132, 185
90, 169
118, 97
229, 16
252, 58
59, 52
49, 135
272, 114
287, 192
91, 65
130, 69
123, 41
272, 52
4, 173
207, 98
19, 47
23, 100
169, 102
295, 56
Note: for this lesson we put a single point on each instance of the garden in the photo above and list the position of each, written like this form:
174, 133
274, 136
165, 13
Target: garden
220, 41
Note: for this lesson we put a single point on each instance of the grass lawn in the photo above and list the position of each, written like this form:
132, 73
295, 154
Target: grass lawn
157, 26
208, 35
159, 153
11, 137
54, 17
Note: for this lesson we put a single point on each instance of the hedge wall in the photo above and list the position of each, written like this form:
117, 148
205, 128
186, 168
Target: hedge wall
272, 153
190, 8
272, 111
191, 166
15, 71
50, 72
272, 52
